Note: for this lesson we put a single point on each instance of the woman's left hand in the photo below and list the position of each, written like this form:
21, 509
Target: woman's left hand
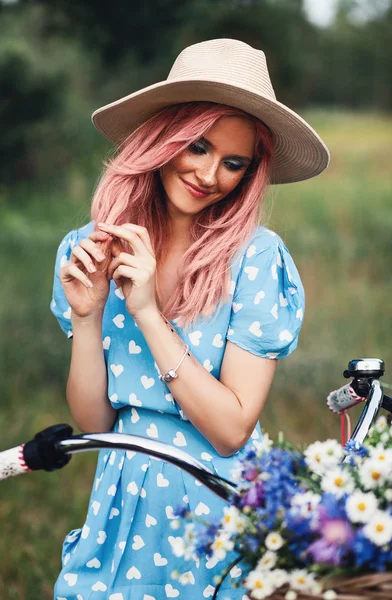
135, 273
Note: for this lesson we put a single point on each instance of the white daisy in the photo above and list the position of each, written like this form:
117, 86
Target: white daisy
303, 581
381, 424
306, 503
267, 561
383, 455
321, 456
379, 528
187, 578
233, 520
274, 541
360, 507
373, 473
260, 583
221, 544
337, 481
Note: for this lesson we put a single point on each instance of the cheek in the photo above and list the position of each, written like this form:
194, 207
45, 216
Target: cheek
229, 181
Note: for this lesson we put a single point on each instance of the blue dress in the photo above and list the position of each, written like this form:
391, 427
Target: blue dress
123, 550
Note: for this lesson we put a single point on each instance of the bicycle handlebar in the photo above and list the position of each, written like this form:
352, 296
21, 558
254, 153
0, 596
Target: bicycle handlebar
52, 448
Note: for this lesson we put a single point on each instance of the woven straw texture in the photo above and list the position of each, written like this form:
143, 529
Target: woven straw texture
365, 587
229, 72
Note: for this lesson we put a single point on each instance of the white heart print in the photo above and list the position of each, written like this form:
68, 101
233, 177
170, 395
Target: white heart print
114, 513
147, 382
150, 520
170, 591
152, 431
285, 336
179, 440
202, 509
217, 341
195, 337
99, 586
106, 343
94, 563
209, 590
133, 573
119, 293
96, 506
67, 313
116, 369
299, 314
207, 365
259, 296
251, 272
274, 311
251, 251
255, 329
101, 537
159, 560
135, 415
71, 578
138, 542
282, 300
132, 488
133, 399
134, 348
237, 306
119, 321
161, 481
169, 512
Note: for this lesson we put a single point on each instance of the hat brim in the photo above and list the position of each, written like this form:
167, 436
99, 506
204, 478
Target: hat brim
299, 151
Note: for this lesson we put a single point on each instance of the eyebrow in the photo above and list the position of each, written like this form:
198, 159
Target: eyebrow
238, 156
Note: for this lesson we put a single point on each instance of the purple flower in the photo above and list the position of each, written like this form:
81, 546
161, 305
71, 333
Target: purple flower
334, 543
254, 496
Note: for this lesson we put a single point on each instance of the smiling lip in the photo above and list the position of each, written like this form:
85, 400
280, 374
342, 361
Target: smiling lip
195, 191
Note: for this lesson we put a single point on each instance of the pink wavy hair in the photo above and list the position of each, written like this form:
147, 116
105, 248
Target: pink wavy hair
130, 191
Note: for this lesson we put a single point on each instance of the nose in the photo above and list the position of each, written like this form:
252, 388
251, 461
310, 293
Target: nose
207, 174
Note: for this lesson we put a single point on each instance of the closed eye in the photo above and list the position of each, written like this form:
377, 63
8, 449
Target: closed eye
197, 148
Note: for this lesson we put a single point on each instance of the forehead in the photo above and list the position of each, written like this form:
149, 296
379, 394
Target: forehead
233, 135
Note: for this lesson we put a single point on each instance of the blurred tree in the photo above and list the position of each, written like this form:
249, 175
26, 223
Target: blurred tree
146, 27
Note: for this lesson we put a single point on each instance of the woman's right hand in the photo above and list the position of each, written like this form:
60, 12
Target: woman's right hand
78, 275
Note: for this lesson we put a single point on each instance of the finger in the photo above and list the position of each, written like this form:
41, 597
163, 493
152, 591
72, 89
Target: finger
78, 254
73, 272
124, 271
143, 233
128, 234
92, 248
122, 259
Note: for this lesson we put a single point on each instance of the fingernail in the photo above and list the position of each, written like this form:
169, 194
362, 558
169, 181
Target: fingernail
88, 283
92, 268
101, 255
103, 225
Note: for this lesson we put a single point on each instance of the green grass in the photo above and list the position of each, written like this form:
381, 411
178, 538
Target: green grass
338, 227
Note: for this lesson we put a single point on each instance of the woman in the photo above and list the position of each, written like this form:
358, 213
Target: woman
179, 305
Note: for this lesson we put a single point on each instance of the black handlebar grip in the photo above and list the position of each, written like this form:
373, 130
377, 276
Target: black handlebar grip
43, 453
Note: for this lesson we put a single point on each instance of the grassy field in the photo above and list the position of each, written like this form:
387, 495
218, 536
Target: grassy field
338, 228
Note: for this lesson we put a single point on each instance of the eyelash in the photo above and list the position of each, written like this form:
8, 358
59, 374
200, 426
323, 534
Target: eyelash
198, 148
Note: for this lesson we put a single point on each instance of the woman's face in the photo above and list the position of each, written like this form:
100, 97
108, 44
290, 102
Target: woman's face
209, 168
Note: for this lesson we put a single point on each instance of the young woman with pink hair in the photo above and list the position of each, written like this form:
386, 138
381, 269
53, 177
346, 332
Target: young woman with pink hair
179, 303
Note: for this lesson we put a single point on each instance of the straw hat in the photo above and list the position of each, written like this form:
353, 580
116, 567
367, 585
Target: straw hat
228, 72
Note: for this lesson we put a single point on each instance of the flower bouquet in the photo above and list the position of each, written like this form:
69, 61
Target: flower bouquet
305, 524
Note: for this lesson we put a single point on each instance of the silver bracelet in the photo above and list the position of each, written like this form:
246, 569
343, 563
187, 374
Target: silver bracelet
172, 373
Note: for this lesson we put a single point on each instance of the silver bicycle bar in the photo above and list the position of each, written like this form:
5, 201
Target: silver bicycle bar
369, 413
98, 441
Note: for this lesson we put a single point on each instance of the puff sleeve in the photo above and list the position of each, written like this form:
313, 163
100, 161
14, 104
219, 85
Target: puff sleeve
59, 304
268, 303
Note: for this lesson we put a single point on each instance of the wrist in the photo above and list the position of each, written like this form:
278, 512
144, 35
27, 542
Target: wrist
92, 319
147, 315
